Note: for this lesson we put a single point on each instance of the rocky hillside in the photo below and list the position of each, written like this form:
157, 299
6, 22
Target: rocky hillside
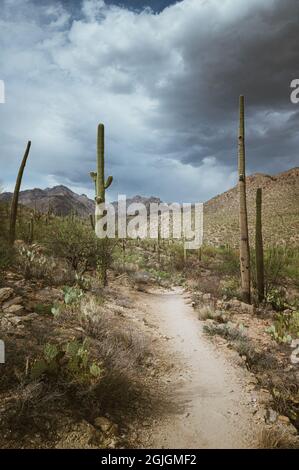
60, 200
280, 210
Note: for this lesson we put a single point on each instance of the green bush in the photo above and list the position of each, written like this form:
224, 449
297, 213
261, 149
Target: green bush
230, 287
229, 261
73, 241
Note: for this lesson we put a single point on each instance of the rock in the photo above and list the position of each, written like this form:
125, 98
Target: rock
14, 310
5, 293
105, 425
295, 356
283, 419
142, 277
206, 297
29, 317
294, 343
271, 416
14, 301
247, 308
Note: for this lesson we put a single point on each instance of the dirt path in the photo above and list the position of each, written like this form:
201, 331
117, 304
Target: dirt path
211, 404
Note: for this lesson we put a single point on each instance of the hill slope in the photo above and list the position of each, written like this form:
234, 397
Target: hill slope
280, 211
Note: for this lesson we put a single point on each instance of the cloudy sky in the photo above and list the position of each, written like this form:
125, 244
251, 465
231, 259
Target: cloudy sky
163, 76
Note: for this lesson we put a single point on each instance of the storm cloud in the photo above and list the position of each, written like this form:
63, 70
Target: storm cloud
165, 82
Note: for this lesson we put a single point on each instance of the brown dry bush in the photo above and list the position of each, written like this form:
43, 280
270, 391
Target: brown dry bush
276, 439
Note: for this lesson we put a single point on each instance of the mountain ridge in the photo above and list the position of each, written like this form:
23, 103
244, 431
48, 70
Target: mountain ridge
280, 207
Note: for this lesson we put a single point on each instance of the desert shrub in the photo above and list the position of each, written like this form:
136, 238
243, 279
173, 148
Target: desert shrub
276, 438
6, 252
208, 252
71, 360
276, 298
207, 312
72, 295
227, 331
229, 261
279, 263
285, 326
230, 287
176, 257
7, 257
76, 243
254, 359
34, 264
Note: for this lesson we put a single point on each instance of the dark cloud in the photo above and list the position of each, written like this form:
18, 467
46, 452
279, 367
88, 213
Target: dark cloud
165, 82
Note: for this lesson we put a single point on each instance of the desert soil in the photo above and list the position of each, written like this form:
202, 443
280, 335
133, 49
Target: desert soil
210, 403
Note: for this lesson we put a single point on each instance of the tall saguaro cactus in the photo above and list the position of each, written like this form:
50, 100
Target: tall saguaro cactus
99, 177
244, 240
259, 252
100, 187
15, 199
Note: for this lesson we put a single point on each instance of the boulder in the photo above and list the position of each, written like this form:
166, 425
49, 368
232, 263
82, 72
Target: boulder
247, 308
14, 310
5, 293
13, 301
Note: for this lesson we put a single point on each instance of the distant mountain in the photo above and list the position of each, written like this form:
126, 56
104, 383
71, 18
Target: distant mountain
280, 211
59, 199
139, 199
63, 201
221, 213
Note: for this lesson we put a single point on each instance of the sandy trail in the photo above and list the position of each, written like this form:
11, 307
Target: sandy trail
212, 407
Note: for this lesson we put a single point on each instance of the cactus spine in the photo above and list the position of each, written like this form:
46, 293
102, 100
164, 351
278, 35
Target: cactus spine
15, 199
259, 252
244, 240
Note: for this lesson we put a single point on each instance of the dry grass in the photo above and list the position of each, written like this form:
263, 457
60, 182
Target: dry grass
276, 439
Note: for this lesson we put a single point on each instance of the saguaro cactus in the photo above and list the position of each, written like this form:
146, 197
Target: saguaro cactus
15, 199
259, 252
244, 240
99, 177
100, 187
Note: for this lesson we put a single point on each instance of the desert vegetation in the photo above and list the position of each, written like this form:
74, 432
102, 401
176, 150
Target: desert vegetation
79, 362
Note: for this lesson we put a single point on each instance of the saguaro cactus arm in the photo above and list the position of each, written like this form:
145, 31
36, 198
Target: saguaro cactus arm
108, 182
15, 199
